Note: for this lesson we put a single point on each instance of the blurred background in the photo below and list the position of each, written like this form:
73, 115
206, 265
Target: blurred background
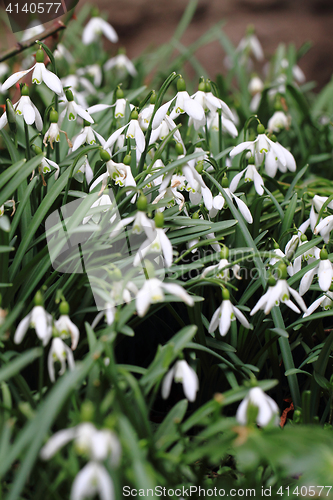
145, 24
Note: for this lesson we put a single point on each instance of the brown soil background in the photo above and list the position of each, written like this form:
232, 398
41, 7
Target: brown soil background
143, 24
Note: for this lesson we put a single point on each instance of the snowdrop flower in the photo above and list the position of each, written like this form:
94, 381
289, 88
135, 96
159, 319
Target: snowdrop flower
72, 109
225, 314
133, 131
268, 410
209, 102
251, 45
213, 122
177, 182
39, 75
87, 135
122, 293
279, 291
157, 242
324, 227
122, 64
62, 53
97, 27
296, 240
60, 352
140, 221
25, 107
182, 373
222, 269
278, 122
324, 271
84, 170
152, 292
33, 30
53, 133
77, 82
183, 104
325, 301
251, 174
98, 445
38, 319
219, 200
93, 70
120, 173
317, 203
46, 164
66, 327
255, 87
264, 149
102, 201
92, 480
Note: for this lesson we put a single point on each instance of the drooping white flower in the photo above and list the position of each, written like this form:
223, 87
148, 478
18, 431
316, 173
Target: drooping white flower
278, 122
156, 242
182, 373
98, 445
62, 53
133, 132
255, 87
279, 292
268, 410
219, 201
276, 157
72, 109
122, 64
177, 182
105, 203
94, 71
66, 329
33, 30
213, 122
152, 292
85, 170
251, 174
60, 352
53, 133
324, 227
87, 135
92, 480
317, 204
324, 271
122, 293
184, 104
97, 27
39, 75
225, 314
325, 301
120, 173
26, 108
38, 319
251, 45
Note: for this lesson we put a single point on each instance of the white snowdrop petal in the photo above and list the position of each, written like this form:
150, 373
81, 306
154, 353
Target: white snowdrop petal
14, 79
52, 81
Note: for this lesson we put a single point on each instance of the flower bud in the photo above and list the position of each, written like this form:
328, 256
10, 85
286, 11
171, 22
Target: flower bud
127, 160
38, 299
119, 93
69, 95
179, 148
282, 271
24, 90
208, 87
104, 155
36, 149
54, 116
225, 182
40, 56
224, 253
11, 116
271, 281
64, 308
181, 85
159, 219
142, 203
260, 129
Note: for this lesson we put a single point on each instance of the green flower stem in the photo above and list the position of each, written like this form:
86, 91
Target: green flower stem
27, 141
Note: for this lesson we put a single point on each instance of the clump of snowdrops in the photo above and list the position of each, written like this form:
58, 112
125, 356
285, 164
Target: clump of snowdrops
213, 368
